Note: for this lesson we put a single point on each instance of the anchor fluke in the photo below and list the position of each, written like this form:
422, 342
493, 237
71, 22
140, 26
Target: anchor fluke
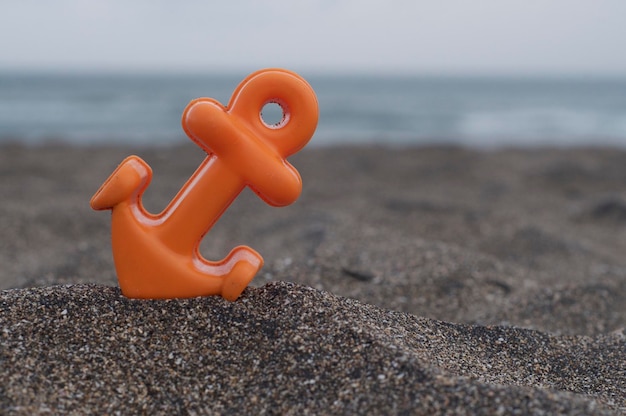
128, 180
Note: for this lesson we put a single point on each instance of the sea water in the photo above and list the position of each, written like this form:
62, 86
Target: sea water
472, 111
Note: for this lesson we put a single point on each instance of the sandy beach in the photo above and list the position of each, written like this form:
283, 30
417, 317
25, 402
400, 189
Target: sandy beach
431, 280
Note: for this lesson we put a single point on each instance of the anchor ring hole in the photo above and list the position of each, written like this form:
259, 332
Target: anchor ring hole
274, 114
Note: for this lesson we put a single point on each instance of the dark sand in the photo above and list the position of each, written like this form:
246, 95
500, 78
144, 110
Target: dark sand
423, 281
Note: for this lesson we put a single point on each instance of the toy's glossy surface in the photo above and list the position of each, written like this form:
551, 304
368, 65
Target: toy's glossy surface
156, 256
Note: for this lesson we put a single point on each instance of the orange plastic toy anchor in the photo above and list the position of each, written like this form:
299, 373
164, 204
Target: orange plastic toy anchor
157, 256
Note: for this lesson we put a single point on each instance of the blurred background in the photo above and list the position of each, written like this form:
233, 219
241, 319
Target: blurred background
481, 74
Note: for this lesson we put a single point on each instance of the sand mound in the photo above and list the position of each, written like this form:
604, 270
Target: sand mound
285, 348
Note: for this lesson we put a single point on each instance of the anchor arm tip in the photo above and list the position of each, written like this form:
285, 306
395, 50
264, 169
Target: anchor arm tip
130, 178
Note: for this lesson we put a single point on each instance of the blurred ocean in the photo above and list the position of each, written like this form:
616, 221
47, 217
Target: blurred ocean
472, 111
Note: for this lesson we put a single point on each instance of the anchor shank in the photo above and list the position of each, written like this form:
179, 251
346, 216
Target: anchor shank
198, 205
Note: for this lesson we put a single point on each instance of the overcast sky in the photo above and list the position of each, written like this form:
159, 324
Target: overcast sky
393, 36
